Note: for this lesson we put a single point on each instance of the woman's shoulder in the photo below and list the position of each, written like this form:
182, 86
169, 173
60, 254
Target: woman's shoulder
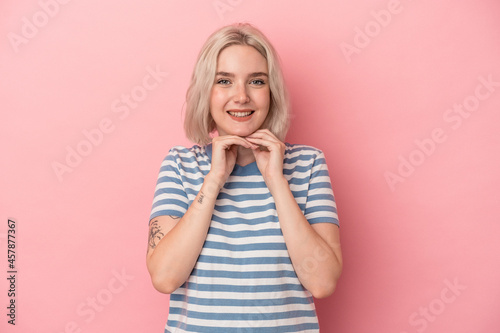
181, 153
179, 149
301, 149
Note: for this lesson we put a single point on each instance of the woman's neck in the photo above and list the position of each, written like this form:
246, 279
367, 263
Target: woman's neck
245, 156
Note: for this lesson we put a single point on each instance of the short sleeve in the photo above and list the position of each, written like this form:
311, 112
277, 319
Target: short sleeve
320, 203
170, 196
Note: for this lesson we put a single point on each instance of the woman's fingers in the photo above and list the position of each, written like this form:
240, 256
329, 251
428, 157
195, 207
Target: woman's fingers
270, 143
224, 154
263, 142
228, 140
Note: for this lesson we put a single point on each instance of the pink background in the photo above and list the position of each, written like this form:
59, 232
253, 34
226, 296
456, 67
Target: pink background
404, 242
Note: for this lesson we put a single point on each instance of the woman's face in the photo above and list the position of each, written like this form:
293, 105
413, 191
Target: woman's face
240, 96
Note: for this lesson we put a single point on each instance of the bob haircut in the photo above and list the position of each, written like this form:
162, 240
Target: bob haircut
199, 124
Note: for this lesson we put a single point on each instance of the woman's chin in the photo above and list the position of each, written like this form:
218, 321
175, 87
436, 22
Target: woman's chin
242, 133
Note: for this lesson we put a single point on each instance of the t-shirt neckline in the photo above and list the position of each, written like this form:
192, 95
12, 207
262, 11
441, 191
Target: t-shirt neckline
249, 169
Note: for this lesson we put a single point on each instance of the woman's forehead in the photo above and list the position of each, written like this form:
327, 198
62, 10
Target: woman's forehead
241, 59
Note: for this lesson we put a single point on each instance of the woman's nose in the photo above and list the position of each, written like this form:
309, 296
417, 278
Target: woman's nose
241, 95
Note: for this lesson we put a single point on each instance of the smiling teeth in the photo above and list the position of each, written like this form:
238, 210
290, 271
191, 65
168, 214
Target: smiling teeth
240, 114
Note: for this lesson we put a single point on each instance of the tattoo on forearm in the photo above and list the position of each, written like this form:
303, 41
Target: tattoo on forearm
200, 199
155, 234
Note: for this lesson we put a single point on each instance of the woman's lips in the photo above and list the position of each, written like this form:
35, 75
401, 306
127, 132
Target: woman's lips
240, 115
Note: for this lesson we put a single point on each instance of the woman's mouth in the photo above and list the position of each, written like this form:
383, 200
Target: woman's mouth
241, 115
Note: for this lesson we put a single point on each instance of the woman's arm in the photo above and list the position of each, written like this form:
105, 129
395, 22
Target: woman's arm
175, 243
314, 249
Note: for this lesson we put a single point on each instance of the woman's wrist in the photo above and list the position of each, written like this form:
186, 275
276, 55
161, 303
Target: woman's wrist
277, 184
212, 185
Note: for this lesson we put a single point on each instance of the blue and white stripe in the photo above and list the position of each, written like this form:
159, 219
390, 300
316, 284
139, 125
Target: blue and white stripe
243, 280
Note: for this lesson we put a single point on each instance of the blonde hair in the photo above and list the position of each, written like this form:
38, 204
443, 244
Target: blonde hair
198, 123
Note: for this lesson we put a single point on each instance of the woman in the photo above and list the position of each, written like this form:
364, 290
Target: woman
243, 229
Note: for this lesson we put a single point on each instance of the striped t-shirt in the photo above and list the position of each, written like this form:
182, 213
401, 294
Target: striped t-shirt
243, 280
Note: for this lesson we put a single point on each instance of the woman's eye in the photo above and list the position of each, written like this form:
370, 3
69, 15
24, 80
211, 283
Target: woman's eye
258, 82
223, 81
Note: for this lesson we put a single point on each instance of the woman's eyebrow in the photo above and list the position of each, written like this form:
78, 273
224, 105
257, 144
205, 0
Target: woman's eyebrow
232, 75
258, 74
224, 74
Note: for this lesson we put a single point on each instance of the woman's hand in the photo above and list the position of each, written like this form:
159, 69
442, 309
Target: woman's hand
224, 153
270, 160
